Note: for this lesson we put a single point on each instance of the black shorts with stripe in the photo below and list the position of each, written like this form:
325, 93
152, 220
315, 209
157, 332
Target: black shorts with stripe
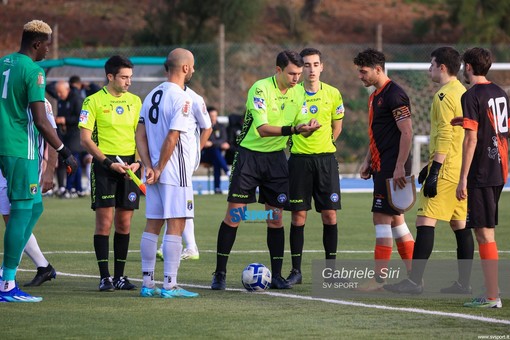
266, 170
483, 207
380, 203
112, 189
314, 176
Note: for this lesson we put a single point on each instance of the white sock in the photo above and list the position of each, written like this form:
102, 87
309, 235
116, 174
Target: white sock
148, 248
34, 252
188, 235
172, 248
7, 285
163, 238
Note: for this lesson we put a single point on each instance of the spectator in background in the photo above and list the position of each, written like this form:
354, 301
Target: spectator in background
214, 147
85, 89
68, 114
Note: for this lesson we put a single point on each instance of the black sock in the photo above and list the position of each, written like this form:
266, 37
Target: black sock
120, 252
101, 246
330, 240
465, 251
226, 239
422, 249
276, 245
297, 240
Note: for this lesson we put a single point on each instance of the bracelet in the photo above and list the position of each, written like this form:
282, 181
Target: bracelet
140, 163
107, 163
60, 147
286, 130
296, 131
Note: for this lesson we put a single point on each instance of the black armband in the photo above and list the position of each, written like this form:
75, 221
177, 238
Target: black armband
286, 130
107, 163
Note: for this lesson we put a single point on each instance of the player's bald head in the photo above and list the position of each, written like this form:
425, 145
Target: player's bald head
177, 58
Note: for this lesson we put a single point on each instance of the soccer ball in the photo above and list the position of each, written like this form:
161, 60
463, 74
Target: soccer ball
256, 277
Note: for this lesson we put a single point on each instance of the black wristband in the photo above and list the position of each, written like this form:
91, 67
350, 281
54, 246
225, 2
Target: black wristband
107, 163
140, 163
286, 130
65, 152
296, 132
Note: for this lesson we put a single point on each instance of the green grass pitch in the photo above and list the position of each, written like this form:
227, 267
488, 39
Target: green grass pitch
73, 308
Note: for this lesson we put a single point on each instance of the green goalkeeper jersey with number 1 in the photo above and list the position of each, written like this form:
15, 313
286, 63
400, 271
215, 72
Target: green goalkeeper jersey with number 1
22, 82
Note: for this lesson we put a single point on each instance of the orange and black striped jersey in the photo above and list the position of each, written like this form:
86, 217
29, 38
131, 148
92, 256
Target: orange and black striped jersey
485, 110
386, 106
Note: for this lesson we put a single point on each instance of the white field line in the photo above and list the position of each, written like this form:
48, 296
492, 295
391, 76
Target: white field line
333, 301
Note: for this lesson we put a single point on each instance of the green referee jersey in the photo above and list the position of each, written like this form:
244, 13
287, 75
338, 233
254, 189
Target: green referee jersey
112, 120
445, 138
326, 105
22, 82
267, 105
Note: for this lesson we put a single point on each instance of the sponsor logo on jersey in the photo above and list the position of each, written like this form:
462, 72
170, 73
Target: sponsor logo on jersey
189, 205
314, 109
33, 189
239, 195
40, 79
132, 197
304, 108
204, 109
441, 96
282, 198
334, 197
259, 103
296, 201
84, 116
119, 110
340, 109
186, 108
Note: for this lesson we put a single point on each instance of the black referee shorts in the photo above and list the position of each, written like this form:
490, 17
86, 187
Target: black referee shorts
266, 170
314, 176
111, 189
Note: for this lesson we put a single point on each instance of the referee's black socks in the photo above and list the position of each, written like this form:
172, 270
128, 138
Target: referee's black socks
226, 239
330, 240
297, 240
276, 245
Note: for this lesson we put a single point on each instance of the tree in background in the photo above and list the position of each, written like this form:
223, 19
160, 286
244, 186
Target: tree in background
170, 22
475, 21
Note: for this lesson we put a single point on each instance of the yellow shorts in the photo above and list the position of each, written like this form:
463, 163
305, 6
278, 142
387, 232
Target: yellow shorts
444, 206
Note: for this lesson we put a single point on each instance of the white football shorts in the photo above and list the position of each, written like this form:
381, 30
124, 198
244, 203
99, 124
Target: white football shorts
164, 201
